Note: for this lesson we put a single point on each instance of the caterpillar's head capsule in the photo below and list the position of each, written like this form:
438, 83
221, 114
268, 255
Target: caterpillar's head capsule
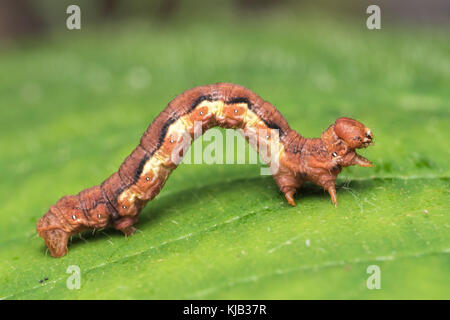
353, 132
343, 137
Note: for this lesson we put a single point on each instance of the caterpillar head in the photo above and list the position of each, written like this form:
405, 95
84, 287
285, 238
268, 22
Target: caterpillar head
353, 133
343, 137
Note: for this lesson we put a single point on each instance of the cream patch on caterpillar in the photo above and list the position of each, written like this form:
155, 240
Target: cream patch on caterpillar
252, 120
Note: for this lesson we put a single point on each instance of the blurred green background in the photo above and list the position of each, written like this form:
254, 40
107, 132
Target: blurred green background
73, 104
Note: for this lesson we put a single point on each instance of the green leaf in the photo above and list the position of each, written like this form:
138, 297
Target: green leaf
73, 109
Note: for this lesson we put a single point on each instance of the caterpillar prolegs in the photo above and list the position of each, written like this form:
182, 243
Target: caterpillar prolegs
119, 199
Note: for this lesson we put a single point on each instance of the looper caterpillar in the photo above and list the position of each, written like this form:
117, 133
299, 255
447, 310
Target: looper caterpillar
120, 198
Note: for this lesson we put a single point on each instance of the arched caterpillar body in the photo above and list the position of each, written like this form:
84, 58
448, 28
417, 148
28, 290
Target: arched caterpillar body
120, 198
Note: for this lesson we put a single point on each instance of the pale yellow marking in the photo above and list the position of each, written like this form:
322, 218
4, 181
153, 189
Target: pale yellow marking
127, 194
177, 128
187, 123
153, 164
252, 120
215, 107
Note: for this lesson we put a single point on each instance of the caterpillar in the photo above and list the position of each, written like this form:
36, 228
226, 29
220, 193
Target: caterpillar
118, 201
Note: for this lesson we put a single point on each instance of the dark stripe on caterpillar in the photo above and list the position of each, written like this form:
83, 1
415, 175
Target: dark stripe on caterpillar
172, 119
118, 191
200, 100
140, 167
236, 100
273, 125
270, 124
163, 133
